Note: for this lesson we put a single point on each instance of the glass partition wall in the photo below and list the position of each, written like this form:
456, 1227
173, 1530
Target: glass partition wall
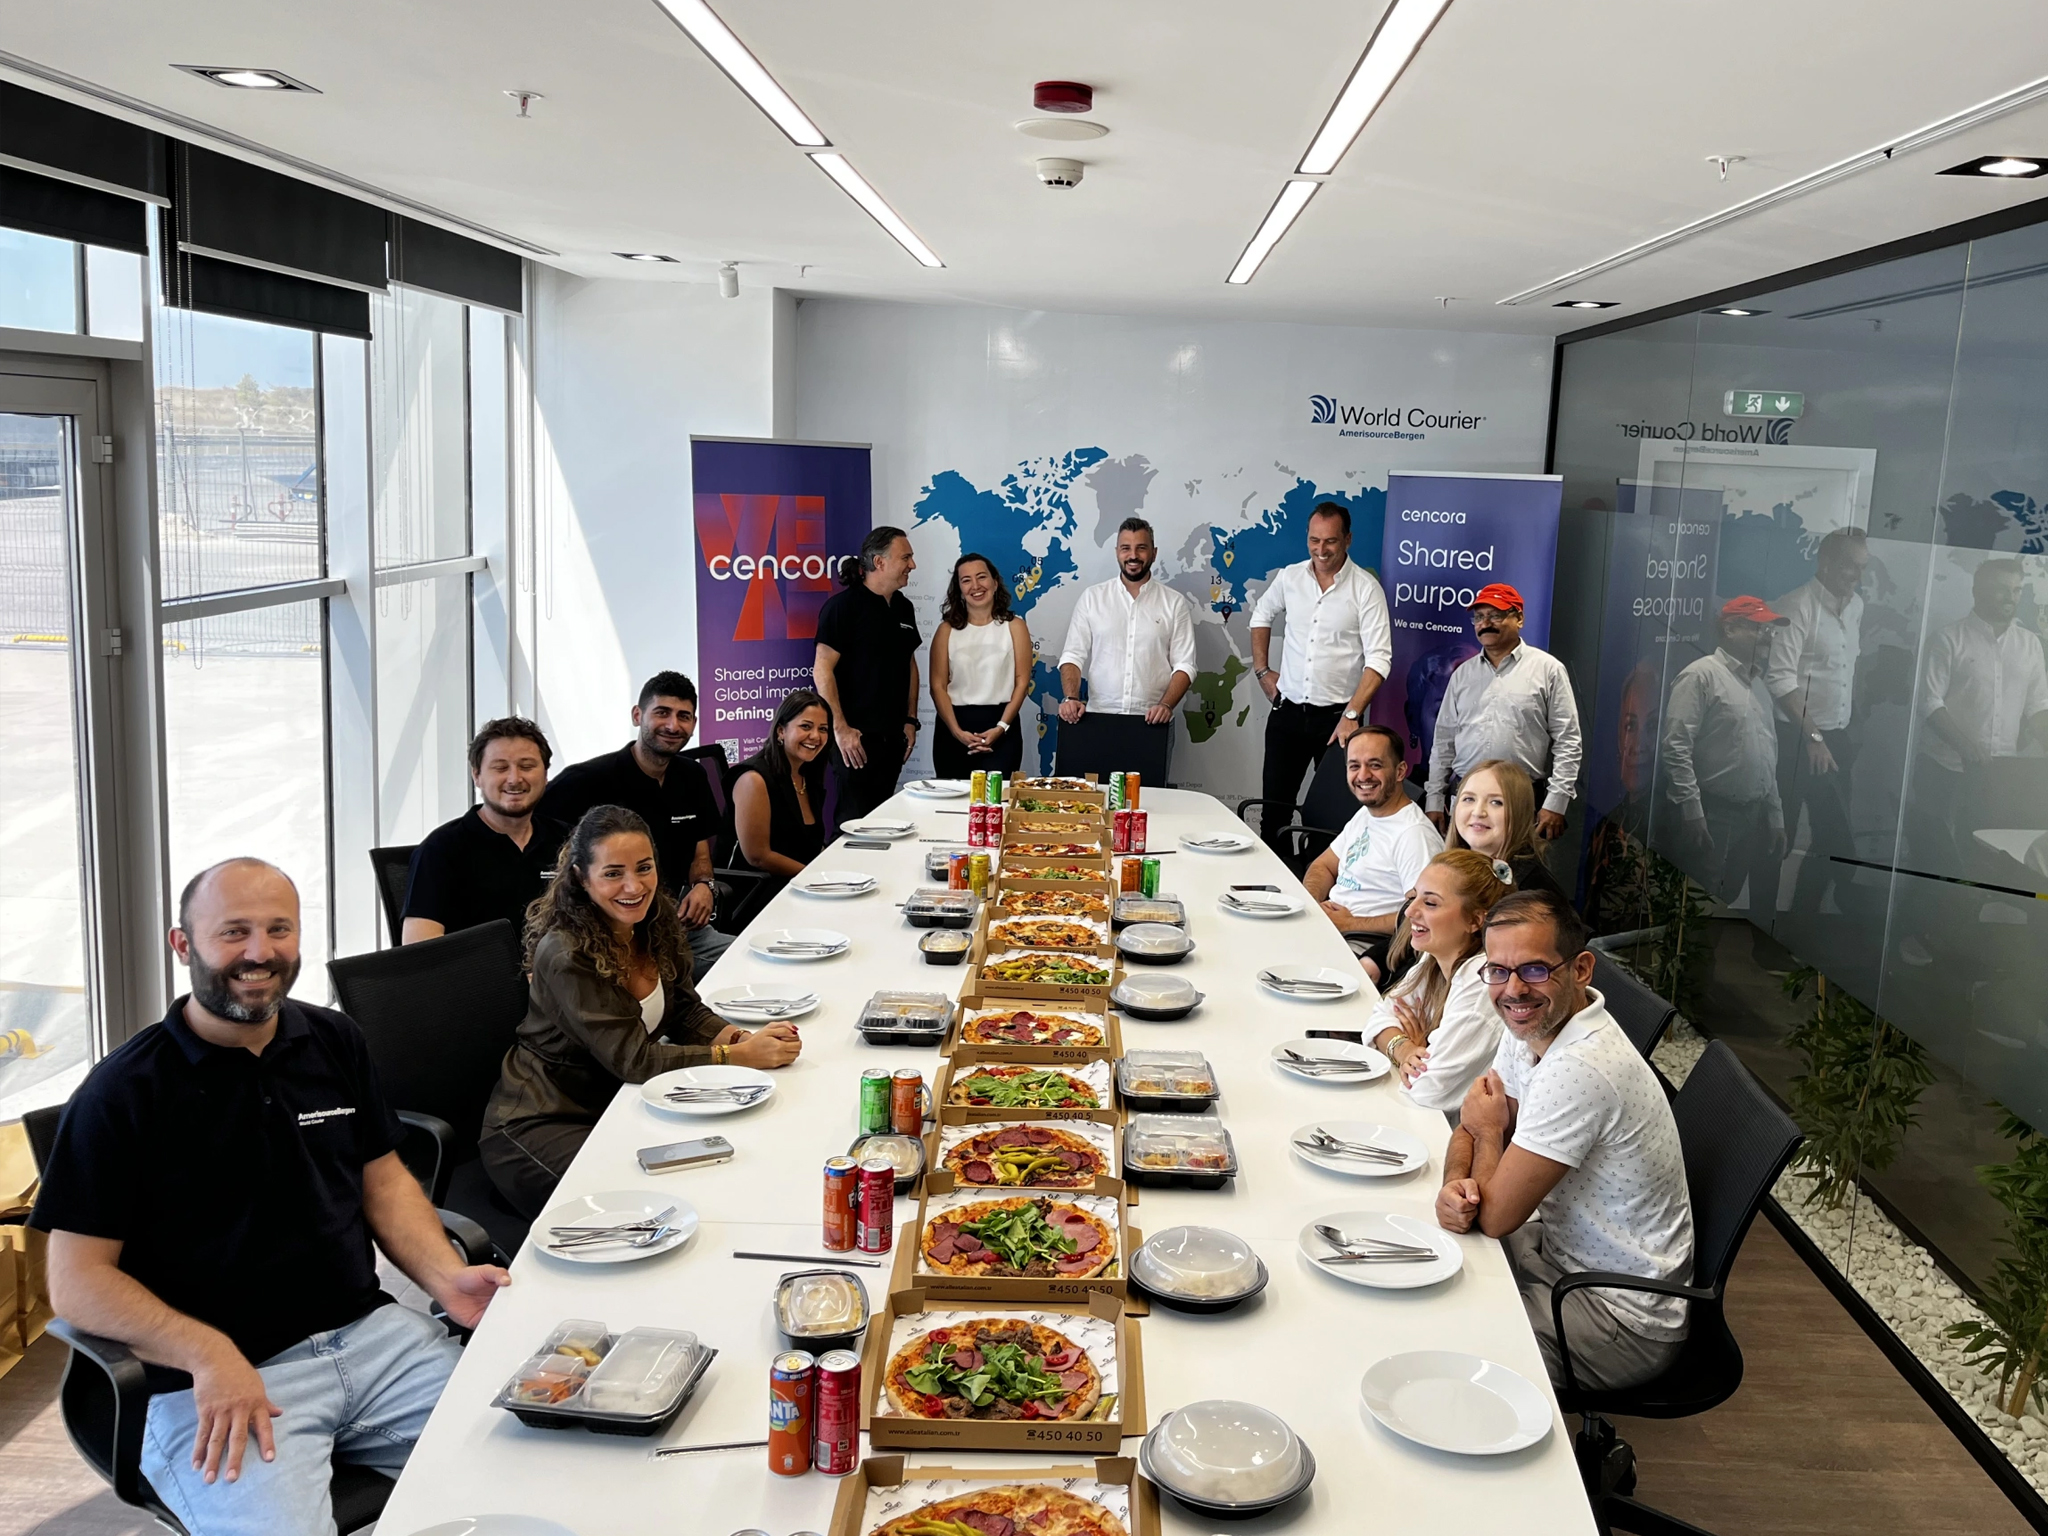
1827, 840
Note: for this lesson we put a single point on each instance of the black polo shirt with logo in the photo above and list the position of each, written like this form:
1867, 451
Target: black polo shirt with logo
234, 1182
877, 641
466, 872
679, 808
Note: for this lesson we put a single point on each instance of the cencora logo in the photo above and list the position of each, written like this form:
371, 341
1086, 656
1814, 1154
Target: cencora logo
1409, 423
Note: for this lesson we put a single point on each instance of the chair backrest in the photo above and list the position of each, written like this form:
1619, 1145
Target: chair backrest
1330, 803
394, 875
439, 1017
1115, 744
1737, 1142
1641, 1013
41, 1126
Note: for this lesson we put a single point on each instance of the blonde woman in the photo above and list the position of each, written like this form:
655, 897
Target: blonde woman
1438, 1024
1495, 814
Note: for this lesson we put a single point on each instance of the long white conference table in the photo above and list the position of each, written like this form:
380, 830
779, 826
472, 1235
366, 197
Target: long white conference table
1298, 1350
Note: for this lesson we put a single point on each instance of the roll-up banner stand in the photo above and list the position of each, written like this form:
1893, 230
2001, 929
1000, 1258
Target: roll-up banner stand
773, 521
1447, 535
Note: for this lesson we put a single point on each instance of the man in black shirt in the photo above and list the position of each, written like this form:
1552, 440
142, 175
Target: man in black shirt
866, 669
211, 1202
494, 859
650, 776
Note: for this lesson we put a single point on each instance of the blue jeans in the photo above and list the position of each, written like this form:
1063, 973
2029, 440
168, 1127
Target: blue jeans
359, 1394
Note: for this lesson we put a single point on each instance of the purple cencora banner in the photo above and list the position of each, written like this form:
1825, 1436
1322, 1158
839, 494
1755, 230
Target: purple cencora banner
773, 520
1447, 535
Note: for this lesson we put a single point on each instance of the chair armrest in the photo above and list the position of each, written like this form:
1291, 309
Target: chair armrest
429, 1146
1610, 1280
127, 1385
1245, 805
469, 1238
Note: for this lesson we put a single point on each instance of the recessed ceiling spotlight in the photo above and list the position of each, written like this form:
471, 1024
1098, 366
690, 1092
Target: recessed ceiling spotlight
241, 78
2010, 167
1736, 312
641, 256
1585, 304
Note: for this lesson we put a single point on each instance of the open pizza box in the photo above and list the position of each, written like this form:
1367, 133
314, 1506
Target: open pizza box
991, 917
1086, 1003
1022, 874
1092, 995
1109, 1201
881, 1490
1099, 1325
1015, 786
1098, 1076
1076, 826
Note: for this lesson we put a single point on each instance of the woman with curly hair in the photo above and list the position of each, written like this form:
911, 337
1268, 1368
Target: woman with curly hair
1438, 1024
981, 673
610, 1001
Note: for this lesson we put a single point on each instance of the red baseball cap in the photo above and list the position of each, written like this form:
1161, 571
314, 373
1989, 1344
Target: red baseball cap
1498, 595
1753, 609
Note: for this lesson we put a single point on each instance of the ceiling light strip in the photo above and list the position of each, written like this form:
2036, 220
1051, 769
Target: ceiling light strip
1393, 43
836, 165
1286, 209
725, 50
1919, 138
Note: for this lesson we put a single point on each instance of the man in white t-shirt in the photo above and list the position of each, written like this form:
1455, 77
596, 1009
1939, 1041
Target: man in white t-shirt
1567, 1152
1363, 878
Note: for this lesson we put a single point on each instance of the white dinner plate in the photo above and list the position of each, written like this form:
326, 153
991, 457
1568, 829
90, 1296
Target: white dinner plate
938, 789
1218, 842
1346, 982
1371, 1064
746, 1004
1456, 1402
496, 1525
1395, 1228
610, 1208
1366, 1133
763, 944
888, 831
1270, 905
655, 1089
835, 884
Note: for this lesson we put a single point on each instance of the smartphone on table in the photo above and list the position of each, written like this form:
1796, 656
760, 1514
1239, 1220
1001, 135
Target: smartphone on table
685, 1154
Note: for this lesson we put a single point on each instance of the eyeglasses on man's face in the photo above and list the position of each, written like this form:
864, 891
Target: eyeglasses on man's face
1533, 972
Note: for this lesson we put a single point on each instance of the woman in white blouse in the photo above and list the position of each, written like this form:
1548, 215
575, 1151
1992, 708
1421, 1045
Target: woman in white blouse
981, 673
1438, 1023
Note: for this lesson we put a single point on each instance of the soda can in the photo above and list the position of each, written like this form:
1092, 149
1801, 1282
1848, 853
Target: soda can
1131, 791
1131, 875
1116, 791
877, 1204
992, 822
956, 869
838, 1413
1150, 878
874, 1101
976, 826
906, 1102
1140, 821
995, 787
977, 787
978, 874
1120, 832
842, 1203
792, 1412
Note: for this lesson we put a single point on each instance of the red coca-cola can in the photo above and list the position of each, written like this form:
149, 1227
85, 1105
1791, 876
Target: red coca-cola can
842, 1203
977, 826
877, 1204
838, 1413
1140, 820
1120, 833
992, 825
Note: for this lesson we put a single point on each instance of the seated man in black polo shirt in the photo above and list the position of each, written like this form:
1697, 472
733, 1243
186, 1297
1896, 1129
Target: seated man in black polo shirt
673, 797
494, 859
211, 1201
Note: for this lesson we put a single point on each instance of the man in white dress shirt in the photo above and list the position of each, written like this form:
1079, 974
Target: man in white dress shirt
1567, 1152
1131, 639
1812, 673
1511, 701
1336, 647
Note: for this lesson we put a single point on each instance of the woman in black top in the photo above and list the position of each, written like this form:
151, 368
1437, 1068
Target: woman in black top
778, 794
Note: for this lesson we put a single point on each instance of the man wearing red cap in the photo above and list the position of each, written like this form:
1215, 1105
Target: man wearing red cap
1512, 701
1721, 761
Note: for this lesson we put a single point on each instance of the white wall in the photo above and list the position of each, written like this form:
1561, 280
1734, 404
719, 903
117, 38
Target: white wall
624, 372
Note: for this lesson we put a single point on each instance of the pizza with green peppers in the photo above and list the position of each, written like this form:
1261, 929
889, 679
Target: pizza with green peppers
1017, 1087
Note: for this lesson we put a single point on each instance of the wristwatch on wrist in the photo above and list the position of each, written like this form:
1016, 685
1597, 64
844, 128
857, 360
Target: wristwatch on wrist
913, 722
1002, 725
1261, 674
1816, 737
1350, 714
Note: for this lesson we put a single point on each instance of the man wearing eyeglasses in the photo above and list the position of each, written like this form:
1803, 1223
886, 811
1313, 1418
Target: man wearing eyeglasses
1567, 1152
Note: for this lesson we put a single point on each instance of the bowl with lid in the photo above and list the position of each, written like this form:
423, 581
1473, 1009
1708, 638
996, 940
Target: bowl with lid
1154, 943
1157, 998
1228, 1460
906, 1152
821, 1309
945, 946
1197, 1269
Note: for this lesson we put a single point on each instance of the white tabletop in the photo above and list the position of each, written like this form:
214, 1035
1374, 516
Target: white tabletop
1298, 1350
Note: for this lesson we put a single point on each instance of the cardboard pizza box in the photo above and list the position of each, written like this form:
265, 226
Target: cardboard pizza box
990, 916
1085, 1002
887, 1472
1031, 787
1109, 1199
1101, 1135
1094, 996
1100, 1073
1082, 824
1100, 1317
1027, 875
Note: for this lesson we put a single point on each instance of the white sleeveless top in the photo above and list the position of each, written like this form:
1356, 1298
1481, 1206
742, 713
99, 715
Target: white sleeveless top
981, 665
653, 1006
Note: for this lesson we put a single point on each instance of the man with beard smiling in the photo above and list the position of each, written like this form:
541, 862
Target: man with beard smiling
1571, 1128
1132, 639
1363, 879
211, 1202
494, 859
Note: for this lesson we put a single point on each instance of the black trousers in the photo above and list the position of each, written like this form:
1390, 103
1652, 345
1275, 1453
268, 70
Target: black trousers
1295, 737
526, 1161
859, 790
1825, 797
951, 760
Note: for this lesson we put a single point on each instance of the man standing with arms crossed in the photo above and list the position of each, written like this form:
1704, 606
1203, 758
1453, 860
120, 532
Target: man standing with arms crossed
1335, 652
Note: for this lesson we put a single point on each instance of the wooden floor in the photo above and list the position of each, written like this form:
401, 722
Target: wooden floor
1824, 1436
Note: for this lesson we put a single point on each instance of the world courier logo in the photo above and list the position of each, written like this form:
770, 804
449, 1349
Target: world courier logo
1403, 423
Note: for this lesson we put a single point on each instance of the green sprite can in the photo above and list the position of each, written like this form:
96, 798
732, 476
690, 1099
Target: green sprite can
995, 788
1116, 791
874, 1102
1150, 877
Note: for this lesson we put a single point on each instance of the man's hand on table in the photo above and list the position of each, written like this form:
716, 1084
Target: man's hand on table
1457, 1205
465, 1294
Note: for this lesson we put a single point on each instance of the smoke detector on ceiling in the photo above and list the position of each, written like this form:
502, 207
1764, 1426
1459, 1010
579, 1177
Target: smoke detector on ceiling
1061, 173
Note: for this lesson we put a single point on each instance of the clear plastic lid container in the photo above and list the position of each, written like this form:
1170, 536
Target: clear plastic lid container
1204, 1262
1155, 991
1225, 1452
1154, 939
941, 901
938, 862
1133, 907
905, 1153
1178, 1144
821, 1304
642, 1371
907, 1010
945, 940
1166, 1075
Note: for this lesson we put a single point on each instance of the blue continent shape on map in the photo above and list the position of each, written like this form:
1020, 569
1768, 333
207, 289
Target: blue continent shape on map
1280, 538
1764, 555
2030, 515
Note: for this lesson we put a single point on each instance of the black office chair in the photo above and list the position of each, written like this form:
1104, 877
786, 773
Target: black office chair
439, 1017
1320, 816
1736, 1144
1105, 744
1641, 1013
739, 893
394, 875
105, 1394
